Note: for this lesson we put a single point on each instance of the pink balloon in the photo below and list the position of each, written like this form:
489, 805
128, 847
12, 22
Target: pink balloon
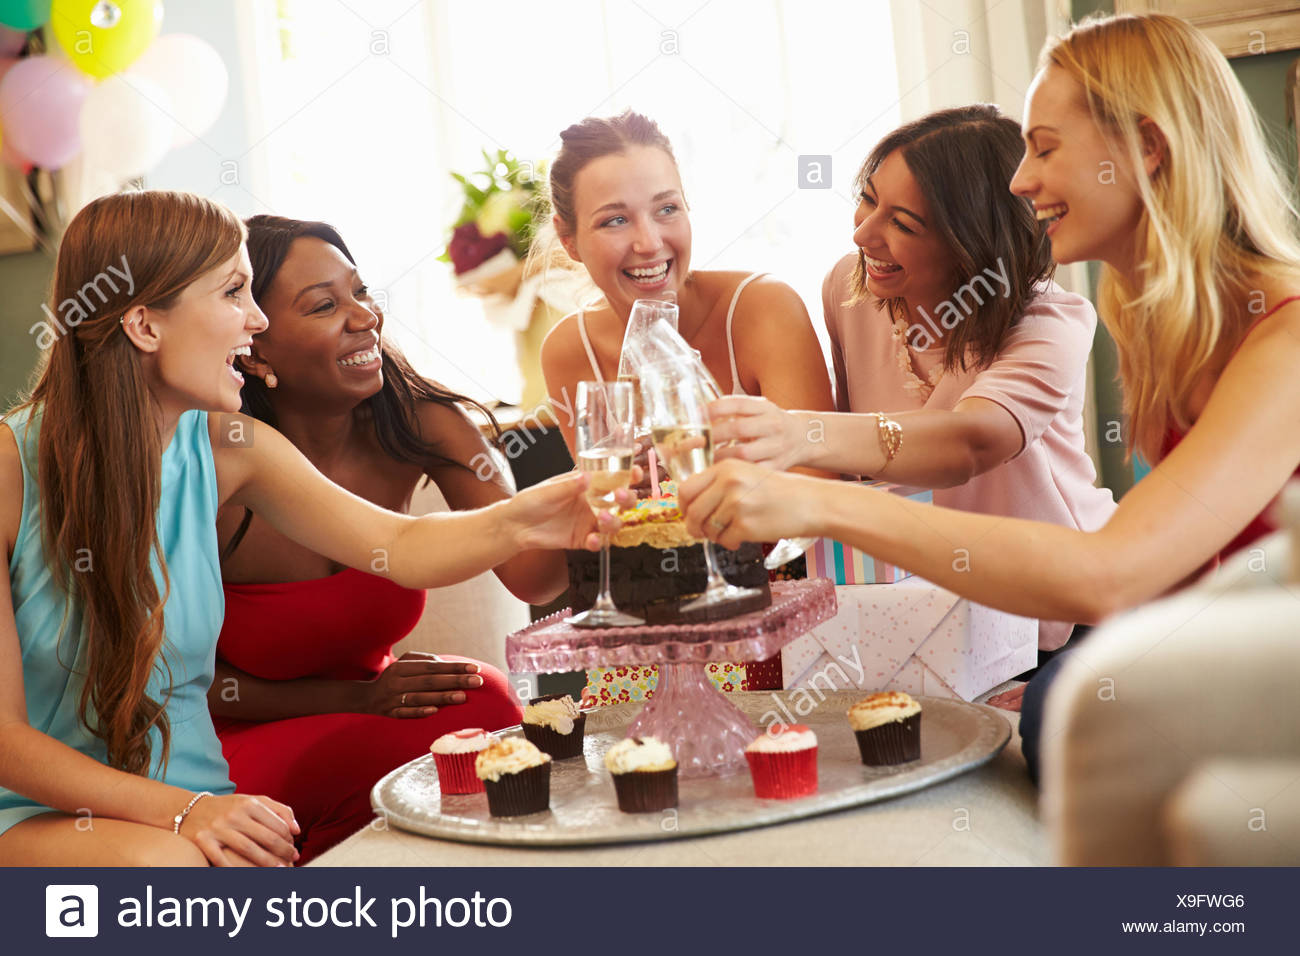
40, 108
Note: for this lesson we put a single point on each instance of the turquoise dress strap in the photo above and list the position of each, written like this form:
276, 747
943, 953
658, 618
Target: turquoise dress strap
50, 627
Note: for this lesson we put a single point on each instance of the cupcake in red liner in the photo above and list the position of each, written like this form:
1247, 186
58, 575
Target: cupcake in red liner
516, 777
645, 774
783, 762
555, 725
888, 728
454, 754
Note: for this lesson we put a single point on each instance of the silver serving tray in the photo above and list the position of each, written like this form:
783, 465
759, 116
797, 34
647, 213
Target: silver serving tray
955, 737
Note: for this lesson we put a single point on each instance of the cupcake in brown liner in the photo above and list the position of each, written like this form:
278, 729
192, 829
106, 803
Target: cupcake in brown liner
556, 725
888, 728
516, 776
645, 774
454, 755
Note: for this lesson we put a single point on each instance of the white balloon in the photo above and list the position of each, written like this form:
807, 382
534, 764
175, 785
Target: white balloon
193, 74
126, 125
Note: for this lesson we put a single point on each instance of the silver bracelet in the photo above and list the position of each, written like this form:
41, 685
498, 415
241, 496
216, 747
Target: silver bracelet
180, 817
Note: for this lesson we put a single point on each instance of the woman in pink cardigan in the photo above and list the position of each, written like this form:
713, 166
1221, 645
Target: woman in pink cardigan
945, 327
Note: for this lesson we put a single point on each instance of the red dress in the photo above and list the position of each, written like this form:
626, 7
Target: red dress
1263, 523
341, 627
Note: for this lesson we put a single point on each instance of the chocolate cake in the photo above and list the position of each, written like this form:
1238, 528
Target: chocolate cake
655, 567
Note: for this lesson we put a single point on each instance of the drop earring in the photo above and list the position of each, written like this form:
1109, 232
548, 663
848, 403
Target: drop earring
271, 380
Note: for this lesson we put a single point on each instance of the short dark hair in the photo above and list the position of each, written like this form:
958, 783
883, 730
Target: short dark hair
963, 160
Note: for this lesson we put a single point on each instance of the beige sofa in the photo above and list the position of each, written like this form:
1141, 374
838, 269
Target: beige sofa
1173, 736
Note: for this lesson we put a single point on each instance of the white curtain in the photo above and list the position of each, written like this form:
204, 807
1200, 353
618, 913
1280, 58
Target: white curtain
365, 108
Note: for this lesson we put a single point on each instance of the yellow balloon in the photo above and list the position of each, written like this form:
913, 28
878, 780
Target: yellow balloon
103, 37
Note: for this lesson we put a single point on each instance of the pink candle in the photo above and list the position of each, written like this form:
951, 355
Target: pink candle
654, 475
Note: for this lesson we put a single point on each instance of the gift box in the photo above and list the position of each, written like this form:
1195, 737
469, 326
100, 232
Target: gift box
911, 636
845, 564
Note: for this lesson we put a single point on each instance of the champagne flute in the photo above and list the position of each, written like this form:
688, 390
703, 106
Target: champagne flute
677, 402
604, 432
660, 340
642, 345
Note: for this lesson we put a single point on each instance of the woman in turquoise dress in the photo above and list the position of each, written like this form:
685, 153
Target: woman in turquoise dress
111, 475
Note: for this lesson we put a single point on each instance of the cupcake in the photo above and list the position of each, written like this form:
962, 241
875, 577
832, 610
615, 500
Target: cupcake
516, 776
783, 762
454, 754
888, 728
555, 725
645, 774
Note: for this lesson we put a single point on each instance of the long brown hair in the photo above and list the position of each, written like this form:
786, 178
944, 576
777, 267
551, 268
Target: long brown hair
99, 453
393, 409
963, 160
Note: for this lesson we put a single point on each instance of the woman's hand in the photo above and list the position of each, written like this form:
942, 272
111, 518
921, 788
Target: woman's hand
1008, 699
416, 685
555, 514
735, 501
257, 829
754, 429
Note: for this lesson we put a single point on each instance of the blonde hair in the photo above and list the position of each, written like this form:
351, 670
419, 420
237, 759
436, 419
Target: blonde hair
1216, 216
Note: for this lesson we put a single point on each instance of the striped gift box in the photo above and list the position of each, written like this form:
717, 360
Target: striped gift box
845, 564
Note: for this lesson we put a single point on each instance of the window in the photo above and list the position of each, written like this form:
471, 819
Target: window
367, 106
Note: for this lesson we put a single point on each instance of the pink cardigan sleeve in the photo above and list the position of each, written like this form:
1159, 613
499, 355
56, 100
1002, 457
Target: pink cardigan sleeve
1043, 363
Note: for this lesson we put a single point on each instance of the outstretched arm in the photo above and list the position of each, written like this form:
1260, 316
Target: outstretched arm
264, 472
1038, 371
534, 577
1241, 451
940, 448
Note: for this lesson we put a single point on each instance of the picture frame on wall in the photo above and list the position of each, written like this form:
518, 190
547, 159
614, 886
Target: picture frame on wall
1238, 29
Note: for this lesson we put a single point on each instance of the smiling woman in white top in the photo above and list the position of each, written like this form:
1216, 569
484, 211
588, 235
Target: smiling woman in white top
619, 210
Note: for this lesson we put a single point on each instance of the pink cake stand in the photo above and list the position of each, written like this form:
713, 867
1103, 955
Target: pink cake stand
707, 733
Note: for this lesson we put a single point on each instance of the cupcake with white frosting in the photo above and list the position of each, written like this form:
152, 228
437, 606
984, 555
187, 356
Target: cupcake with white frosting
783, 762
454, 754
556, 725
516, 776
888, 728
645, 774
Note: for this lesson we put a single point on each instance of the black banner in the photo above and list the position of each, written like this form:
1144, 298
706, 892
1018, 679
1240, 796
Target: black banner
794, 910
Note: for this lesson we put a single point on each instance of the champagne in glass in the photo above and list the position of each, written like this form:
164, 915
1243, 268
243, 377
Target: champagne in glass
609, 469
605, 434
685, 450
676, 400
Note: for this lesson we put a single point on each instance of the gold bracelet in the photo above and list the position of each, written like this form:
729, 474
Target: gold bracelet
890, 434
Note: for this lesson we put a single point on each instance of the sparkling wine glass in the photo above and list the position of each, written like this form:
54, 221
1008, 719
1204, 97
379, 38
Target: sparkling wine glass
605, 429
677, 400
642, 345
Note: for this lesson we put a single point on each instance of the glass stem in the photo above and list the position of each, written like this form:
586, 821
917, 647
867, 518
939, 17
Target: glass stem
604, 601
716, 580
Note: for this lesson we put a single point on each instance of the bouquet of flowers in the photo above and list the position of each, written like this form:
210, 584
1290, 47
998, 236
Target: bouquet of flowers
499, 218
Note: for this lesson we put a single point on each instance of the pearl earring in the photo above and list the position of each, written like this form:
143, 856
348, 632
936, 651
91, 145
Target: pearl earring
271, 380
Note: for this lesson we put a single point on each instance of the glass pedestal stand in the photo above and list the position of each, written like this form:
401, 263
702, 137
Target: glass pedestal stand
706, 732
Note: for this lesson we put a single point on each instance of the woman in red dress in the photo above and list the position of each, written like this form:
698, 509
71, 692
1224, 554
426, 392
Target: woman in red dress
309, 702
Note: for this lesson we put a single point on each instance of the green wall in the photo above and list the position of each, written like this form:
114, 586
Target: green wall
25, 279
